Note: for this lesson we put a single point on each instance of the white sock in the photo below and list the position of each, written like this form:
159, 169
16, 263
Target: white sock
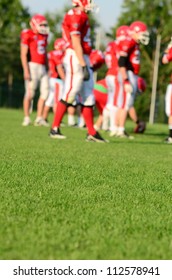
113, 111
81, 121
106, 115
121, 129
71, 119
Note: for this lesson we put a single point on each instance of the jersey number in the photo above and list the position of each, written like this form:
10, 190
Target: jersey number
41, 47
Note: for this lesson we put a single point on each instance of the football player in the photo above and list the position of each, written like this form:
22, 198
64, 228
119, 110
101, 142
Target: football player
111, 58
167, 57
57, 75
129, 66
97, 59
34, 63
101, 97
78, 75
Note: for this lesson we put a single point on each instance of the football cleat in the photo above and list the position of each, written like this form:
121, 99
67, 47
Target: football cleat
56, 134
95, 138
45, 123
38, 121
140, 127
124, 134
113, 133
168, 140
26, 121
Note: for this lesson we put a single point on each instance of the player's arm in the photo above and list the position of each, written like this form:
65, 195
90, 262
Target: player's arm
76, 43
167, 56
24, 61
122, 62
60, 71
123, 70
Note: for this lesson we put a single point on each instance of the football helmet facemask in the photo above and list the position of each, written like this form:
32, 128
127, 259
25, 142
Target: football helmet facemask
39, 24
60, 44
88, 5
139, 30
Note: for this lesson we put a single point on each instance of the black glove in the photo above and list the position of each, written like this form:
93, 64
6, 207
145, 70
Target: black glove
86, 73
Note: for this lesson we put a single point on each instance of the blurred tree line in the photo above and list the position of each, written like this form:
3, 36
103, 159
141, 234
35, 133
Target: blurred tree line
14, 17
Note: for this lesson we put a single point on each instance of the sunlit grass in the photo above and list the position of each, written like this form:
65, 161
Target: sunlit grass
69, 199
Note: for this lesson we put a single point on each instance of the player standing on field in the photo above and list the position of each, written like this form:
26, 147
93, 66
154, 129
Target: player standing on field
56, 77
167, 57
129, 66
110, 110
78, 75
34, 62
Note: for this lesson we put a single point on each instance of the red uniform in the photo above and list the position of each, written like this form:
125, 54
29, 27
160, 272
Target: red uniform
111, 58
168, 54
100, 94
55, 58
76, 22
37, 45
130, 49
96, 59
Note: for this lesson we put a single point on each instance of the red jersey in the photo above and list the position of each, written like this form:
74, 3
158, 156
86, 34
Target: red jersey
168, 53
111, 58
77, 22
37, 45
55, 58
130, 49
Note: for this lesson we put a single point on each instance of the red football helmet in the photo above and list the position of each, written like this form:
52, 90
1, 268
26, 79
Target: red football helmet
122, 31
141, 84
39, 24
88, 5
97, 59
60, 44
138, 29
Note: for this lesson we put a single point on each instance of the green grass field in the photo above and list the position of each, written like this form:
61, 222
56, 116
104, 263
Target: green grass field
69, 199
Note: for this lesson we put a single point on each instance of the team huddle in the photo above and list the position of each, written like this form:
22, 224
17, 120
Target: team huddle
66, 75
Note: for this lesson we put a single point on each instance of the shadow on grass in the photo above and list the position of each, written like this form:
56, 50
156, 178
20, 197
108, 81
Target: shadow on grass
160, 134
135, 141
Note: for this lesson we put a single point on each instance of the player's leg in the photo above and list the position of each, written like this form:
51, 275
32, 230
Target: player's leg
168, 111
128, 102
44, 90
49, 103
71, 110
112, 95
88, 101
30, 89
72, 86
100, 100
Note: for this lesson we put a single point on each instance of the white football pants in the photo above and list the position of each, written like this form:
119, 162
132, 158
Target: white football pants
168, 101
55, 91
39, 77
73, 83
